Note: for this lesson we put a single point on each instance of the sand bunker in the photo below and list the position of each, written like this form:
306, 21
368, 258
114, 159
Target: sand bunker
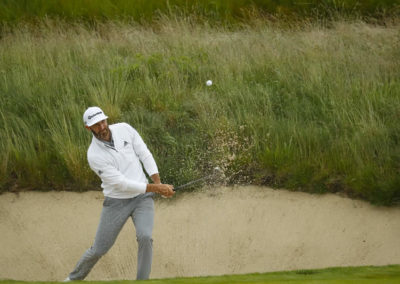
212, 232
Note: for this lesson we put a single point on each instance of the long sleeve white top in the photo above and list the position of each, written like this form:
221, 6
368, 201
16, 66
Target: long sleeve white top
120, 167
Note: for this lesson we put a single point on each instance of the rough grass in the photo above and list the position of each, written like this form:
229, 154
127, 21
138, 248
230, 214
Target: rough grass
307, 108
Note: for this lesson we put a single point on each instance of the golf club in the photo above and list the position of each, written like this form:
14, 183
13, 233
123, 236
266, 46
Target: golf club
216, 171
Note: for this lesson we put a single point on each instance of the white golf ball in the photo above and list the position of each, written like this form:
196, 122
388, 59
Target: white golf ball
209, 83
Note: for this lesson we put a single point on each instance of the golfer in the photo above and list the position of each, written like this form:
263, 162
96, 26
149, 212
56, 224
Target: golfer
116, 155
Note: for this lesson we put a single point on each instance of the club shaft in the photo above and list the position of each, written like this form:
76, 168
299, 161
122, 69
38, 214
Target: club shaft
192, 182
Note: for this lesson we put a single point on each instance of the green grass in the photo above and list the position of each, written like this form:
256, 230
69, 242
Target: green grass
222, 11
308, 108
354, 275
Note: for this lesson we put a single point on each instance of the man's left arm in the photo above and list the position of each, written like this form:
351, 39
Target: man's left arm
149, 165
156, 178
144, 155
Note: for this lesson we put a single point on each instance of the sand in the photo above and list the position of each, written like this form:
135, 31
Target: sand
212, 232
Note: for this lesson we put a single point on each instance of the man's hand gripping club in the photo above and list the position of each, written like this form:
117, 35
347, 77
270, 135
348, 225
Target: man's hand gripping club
165, 190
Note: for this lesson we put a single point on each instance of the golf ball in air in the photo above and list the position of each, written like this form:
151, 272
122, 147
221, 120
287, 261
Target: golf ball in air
209, 83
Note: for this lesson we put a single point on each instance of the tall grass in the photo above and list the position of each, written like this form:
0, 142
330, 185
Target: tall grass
310, 109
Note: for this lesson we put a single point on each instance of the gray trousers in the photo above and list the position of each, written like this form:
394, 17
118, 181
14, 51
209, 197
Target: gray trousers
114, 215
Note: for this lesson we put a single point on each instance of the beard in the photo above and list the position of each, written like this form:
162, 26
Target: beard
103, 135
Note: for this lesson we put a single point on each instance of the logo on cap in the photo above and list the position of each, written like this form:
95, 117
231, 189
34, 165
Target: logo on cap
91, 116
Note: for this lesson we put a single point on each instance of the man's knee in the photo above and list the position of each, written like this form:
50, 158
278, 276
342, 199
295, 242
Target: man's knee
144, 239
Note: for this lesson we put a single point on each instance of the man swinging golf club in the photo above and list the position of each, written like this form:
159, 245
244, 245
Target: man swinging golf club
116, 155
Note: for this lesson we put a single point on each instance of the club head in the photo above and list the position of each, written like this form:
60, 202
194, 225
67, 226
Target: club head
217, 170
218, 175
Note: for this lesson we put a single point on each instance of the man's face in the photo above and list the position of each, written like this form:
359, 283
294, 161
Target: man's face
100, 130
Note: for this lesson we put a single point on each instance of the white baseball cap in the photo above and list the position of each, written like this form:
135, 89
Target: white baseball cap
93, 115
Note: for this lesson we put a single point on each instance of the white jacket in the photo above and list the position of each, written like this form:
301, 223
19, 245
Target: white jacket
119, 167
